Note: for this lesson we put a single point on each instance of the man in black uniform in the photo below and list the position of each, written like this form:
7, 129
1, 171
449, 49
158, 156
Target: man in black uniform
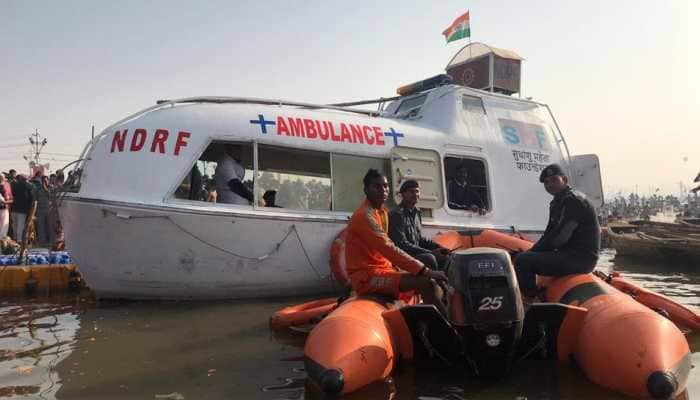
461, 196
571, 242
405, 229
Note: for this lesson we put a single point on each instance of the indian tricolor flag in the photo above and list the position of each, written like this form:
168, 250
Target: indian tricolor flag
459, 29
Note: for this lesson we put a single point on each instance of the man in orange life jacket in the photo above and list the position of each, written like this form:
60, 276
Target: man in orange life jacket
372, 255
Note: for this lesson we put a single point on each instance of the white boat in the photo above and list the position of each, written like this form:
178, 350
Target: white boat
134, 232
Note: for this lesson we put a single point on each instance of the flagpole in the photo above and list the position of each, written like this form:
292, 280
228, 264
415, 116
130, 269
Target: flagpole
470, 43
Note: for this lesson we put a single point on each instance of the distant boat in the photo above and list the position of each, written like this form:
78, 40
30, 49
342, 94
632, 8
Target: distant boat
667, 214
668, 242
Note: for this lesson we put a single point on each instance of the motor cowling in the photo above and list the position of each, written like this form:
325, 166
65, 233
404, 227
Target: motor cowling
486, 307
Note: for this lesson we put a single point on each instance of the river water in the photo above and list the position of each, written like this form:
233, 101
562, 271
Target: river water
74, 348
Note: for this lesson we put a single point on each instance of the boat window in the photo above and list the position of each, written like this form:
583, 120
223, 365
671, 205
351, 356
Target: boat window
222, 174
348, 171
294, 179
467, 184
473, 104
411, 103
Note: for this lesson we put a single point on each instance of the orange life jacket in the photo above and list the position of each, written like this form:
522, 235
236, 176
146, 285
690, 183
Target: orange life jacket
369, 248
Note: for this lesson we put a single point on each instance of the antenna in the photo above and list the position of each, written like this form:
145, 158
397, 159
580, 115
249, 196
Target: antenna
38, 144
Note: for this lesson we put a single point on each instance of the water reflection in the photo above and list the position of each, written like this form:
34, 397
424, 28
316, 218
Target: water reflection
34, 338
68, 349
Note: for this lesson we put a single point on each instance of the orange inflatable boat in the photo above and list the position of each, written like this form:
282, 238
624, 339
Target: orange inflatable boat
678, 313
623, 344
617, 341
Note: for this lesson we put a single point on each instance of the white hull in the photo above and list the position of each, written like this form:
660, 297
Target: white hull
160, 253
153, 252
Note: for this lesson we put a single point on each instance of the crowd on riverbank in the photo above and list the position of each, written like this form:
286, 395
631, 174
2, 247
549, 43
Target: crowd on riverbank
17, 194
644, 207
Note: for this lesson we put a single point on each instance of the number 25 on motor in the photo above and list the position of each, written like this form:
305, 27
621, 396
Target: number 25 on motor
490, 303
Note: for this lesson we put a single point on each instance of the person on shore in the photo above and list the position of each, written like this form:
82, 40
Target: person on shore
461, 196
5, 201
571, 242
373, 260
11, 177
9, 199
405, 229
45, 229
23, 199
60, 178
229, 174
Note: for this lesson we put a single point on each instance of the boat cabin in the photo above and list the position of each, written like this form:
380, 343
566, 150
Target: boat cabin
313, 157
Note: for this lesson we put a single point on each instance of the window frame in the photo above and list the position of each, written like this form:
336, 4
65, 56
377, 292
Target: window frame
399, 112
387, 174
481, 101
487, 179
331, 213
170, 195
257, 197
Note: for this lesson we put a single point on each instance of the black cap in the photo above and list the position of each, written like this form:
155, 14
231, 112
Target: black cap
551, 170
409, 184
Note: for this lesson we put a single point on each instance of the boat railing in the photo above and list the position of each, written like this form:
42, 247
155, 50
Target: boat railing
234, 100
558, 136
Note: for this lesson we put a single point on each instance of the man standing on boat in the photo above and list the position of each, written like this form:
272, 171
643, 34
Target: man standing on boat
571, 242
405, 229
229, 174
372, 256
461, 196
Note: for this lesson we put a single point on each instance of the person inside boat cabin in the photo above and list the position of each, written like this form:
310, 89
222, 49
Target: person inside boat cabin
461, 196
270, 196
571, 242
405, 229
229, 176
373, 260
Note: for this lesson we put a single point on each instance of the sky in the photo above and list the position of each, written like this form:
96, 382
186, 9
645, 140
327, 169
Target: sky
619, 75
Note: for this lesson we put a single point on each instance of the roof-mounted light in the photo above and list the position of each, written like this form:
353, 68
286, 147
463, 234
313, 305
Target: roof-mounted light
426, 84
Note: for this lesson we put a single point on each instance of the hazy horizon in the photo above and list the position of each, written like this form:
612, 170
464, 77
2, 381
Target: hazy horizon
617, 75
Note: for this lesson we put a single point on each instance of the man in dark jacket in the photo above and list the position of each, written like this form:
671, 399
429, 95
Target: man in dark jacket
405, 229
461, 196
570, 243
22, 192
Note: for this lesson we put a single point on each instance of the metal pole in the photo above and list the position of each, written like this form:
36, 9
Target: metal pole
491, 67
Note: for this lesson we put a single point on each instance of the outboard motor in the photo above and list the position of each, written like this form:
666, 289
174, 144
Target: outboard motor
486, 308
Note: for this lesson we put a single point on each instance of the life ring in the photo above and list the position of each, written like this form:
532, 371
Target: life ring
301, 314
339, 265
